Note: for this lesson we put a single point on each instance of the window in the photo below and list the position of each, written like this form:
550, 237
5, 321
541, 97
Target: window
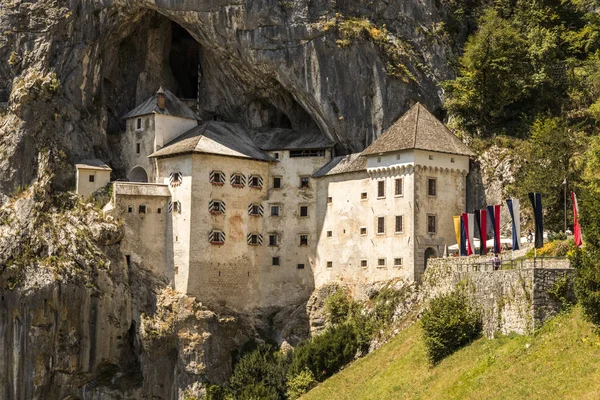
303, 240
380, 189
142, 209
256, 210
363, 231
217, 178
276, 183
92, 178
363, 263
138, 148
273, 239
329, 200
304, 180
329, 233
378, 159
397, 262
216, 207
307, 153
175, 179
431, 228
275, 211
397, 156
175, 206
238, 180
138, 124
398, 188
430, 157
304, 211
452, 159
431, 186
216, 237
300, 266
363, 196
159, 210
276, 155
130, 209
399, 224
381, 262
275, 261
254, 239
255, 181
329, 264
380, 225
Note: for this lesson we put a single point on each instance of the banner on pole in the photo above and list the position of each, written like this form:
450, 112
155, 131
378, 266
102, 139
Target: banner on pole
536, 203
463, 237
494, 215
576, 226
515, 215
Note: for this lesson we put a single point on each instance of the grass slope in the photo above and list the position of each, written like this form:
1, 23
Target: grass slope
560, 361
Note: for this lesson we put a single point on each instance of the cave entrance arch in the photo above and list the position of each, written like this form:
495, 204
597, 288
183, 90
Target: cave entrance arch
138, 174
429, 253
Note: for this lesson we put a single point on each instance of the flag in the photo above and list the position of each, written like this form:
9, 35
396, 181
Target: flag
468, 235
463, 238
457, 229
481, 223
536, 202
515, 215
471, 232
494, 215
576, 226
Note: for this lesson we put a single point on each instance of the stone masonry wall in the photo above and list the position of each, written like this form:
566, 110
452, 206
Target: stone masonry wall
515, 300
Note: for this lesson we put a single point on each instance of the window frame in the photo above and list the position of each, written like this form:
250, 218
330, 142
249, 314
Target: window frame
142, 209
429, 180
221, 207
276, 261
139, 124
329, 234
396, 231
361, 231
365, 262
300, 236
380, 264
304, 185
258, 178
364, 196
377, 226
220, 236
434, 216
329, 265
276, 236
302, 207
381, 185
400, 264
278, 178
400, 185
92, 178
278, 207
235, 176
213, 175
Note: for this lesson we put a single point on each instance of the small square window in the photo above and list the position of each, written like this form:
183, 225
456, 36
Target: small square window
253, 239
431, 224
363, 263
452, 159
304, 181
380, 189
431, 186
276, 183
138, 148
329, 233
142, 210
139, 123
329, 264
304, 211
276, 156
255, 181
275, 211
430, 157
363, 196
217, 178
363, 231
216, 207
380, 225
303, 240
397, 156
275, 261
255, 210
381, 262
238, 180
329, 200
378, 159
130, 209
399, 224
92, 178
397, 262
273, 239
398, 187
159, 210
300, 266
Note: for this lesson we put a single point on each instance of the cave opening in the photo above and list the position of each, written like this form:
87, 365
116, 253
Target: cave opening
184, 60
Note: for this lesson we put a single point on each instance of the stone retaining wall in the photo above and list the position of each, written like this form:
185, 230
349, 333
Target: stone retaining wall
515, 300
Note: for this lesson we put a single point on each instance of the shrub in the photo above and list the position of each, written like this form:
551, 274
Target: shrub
562, 291
337, 307
449, 323
300, 384
326, 353
261, 371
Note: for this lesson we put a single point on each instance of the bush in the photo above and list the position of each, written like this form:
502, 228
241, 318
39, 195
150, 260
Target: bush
326, 353
263, 372
449, 323
337, 307
300, 384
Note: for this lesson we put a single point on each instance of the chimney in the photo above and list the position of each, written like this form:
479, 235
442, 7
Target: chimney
160, 98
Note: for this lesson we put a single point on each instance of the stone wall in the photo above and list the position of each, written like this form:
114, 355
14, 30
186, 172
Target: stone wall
514, 300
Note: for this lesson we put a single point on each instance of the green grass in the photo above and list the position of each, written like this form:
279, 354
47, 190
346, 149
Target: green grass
560, 361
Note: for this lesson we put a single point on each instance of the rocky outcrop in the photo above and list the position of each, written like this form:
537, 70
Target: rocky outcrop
75, 67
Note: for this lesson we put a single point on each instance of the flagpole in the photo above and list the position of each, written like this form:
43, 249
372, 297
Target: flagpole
565, 185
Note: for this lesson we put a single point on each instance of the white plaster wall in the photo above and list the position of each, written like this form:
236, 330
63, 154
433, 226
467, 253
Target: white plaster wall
84, 187
168, 128
145, 137
145, 240
348, 213
418, 157
405, 157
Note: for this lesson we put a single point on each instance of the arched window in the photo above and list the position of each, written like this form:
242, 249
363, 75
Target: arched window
138, 174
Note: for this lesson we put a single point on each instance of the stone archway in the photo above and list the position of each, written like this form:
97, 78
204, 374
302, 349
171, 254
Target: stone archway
138, 174
429, 253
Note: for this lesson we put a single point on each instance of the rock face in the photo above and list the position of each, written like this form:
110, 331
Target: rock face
75, 67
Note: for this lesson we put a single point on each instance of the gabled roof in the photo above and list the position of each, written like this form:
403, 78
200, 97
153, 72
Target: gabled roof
173, 107
289, 139
343, 164
93, 164
212, 137
421, 130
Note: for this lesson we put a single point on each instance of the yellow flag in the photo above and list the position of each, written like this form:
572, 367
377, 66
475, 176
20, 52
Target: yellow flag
457, 229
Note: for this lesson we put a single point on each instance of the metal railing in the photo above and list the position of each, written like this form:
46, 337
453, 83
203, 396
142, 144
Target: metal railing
537, 262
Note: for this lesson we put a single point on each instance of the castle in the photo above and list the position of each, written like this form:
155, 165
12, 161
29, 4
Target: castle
246, 219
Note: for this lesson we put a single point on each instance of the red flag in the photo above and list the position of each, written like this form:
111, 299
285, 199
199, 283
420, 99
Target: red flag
576, 227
